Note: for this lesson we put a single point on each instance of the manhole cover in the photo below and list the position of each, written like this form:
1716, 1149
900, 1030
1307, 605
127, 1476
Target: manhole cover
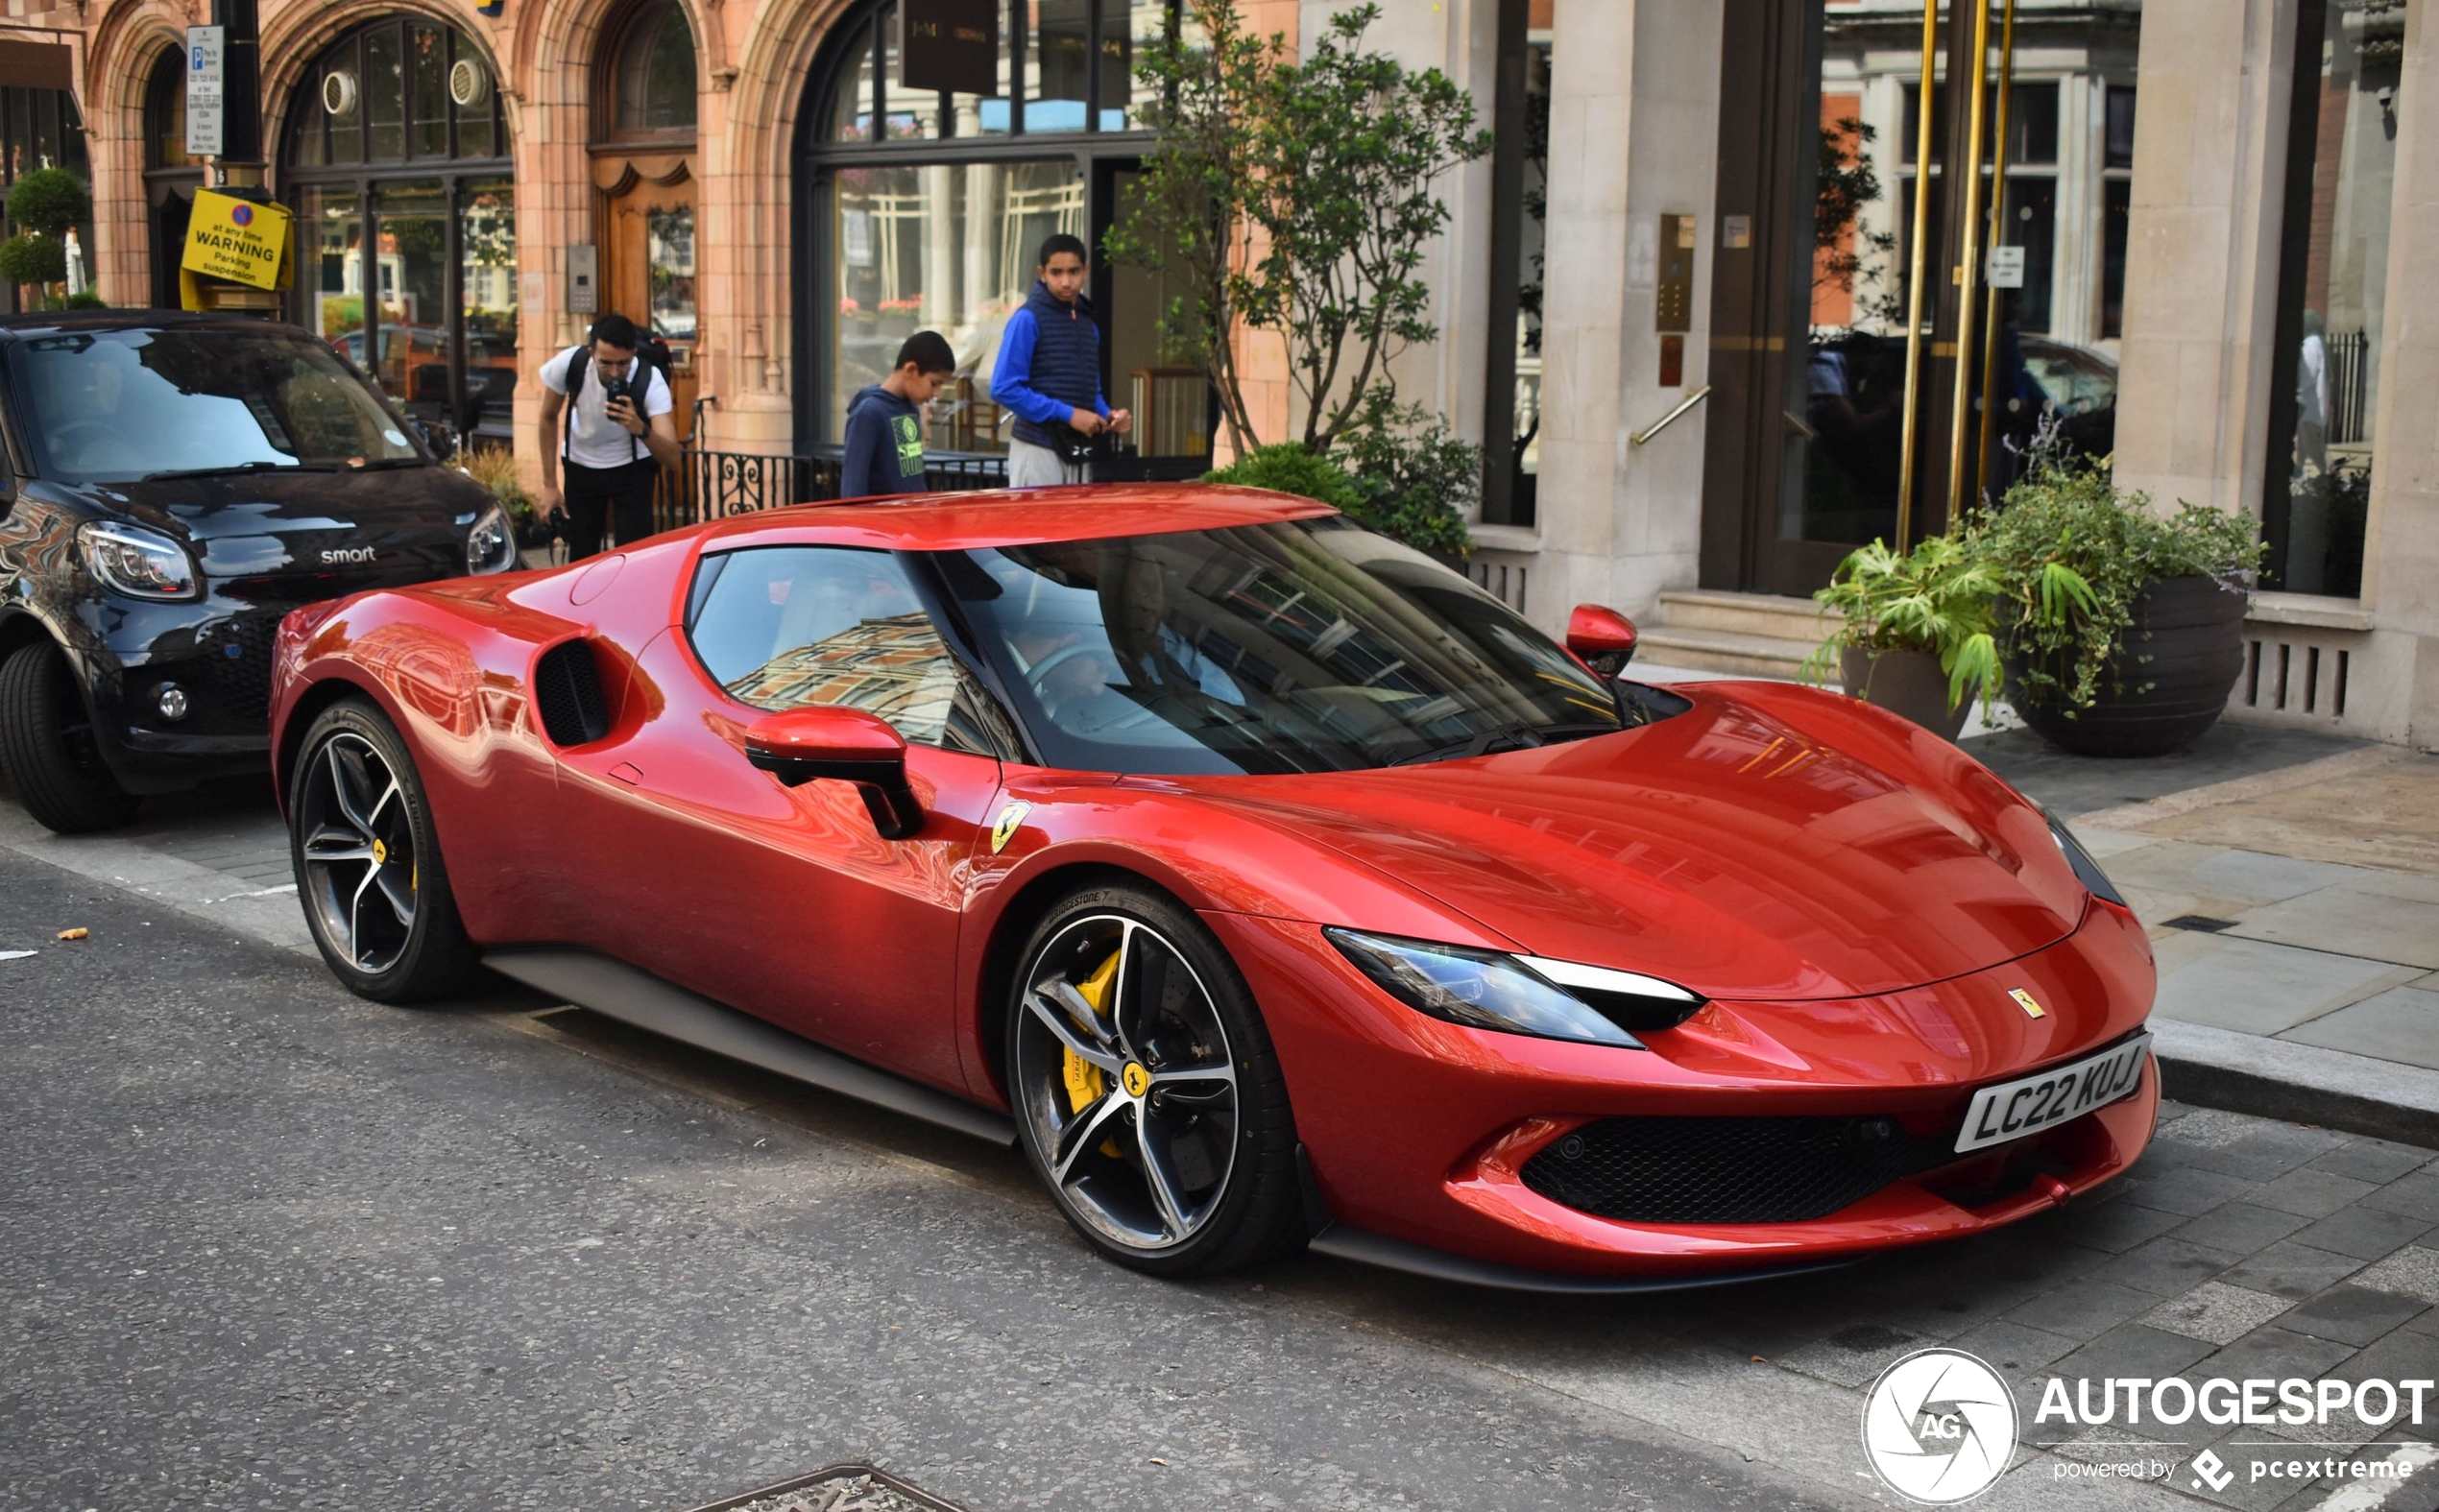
839, 1488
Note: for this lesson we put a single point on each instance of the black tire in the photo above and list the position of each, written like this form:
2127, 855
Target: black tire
346, 854
1252, 1210
48, 744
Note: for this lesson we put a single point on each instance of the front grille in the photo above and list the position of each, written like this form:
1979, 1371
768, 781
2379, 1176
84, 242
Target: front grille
231, 667
1730, 1171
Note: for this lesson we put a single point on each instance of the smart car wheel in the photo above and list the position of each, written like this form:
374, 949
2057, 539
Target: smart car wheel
1149, 1098
48, 745
368, 867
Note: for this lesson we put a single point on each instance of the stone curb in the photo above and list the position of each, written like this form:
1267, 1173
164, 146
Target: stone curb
2299, 1083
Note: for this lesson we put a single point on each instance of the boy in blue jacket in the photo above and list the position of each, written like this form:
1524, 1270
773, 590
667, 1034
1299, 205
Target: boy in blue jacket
1049, 370
884, 423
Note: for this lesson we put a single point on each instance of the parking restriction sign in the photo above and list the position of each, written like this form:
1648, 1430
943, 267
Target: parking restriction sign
204, 89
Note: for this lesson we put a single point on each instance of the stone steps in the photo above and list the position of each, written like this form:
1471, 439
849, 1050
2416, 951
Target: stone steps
1751, 635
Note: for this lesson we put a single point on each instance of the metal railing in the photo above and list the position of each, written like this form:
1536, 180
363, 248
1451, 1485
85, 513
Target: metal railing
713, 485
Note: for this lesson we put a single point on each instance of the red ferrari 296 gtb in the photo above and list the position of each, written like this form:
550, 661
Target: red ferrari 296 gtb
1267, 882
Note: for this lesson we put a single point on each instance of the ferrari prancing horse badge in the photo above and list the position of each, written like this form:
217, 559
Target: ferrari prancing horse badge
1004, 830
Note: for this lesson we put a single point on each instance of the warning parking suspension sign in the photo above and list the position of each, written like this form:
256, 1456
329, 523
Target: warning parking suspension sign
236, 239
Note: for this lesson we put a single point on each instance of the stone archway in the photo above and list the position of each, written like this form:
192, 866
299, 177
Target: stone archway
125, 45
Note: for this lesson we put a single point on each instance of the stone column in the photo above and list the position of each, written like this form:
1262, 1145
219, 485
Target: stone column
2202, 250
2400, 555
1633, 134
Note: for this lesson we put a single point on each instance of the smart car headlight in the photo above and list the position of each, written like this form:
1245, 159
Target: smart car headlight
1516, 995
491, 546
2087, 870
136, 561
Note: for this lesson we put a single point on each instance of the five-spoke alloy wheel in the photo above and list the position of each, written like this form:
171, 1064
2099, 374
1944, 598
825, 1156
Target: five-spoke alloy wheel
368, 867
1147, 1091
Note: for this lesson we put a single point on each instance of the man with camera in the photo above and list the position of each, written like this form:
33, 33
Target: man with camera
605, 417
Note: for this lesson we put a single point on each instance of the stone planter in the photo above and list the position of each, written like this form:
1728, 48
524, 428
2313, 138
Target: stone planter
1905, 683
2187, 643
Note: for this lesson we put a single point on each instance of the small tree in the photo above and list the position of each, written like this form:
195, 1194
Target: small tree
45, 205
1295, 197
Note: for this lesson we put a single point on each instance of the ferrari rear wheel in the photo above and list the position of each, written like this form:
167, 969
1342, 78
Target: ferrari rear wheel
1148, 1095
367, 864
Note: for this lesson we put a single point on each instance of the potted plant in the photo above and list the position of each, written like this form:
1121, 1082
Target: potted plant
2121, 630
1915, 634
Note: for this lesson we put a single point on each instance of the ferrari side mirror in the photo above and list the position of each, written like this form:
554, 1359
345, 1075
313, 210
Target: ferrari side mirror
1601, 637
842, 745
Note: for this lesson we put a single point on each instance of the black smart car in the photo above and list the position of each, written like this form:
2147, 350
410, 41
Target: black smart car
174, 483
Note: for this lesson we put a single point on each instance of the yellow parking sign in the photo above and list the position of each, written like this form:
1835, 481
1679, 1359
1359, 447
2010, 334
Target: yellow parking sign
236, 239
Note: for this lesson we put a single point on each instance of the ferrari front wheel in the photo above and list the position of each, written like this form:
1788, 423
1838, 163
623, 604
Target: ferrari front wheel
367, 861
1147, 1096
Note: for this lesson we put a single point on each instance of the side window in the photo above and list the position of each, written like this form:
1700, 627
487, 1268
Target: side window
787, 626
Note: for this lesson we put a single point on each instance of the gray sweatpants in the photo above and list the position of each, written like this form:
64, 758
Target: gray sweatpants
1031, 467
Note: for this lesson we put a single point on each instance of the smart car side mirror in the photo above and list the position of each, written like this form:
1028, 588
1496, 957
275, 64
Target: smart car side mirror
843, 745
1601, 637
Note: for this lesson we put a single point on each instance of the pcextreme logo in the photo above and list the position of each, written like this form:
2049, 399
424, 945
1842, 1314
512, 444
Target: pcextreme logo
1938, 1427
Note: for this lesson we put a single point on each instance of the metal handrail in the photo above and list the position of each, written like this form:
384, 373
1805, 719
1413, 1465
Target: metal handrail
1670, 418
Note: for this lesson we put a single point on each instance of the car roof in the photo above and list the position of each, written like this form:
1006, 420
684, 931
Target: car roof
47, 321
1011, 516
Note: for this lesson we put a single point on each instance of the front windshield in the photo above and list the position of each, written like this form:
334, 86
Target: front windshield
116, 406
1304, 646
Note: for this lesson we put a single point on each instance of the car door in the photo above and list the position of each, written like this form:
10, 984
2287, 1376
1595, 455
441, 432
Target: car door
786, 902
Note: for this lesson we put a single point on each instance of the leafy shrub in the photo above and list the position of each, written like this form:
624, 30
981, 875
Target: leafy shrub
49, 201
1416, 477
87, 300
1935, 598
1287, 468
494, 468
2071, 554
25, 258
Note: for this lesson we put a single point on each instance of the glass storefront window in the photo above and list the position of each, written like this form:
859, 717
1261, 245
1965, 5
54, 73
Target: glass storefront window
851, 114
333, 218
946, 247
2333, 294
430, 100
487, 300
411, 343
384, 87
669, 251
422, 295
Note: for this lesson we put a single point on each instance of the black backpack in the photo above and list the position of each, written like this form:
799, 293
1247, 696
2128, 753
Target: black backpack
655, 353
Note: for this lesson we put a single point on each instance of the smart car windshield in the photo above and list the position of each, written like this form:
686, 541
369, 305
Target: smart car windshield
1303, 646
119, 405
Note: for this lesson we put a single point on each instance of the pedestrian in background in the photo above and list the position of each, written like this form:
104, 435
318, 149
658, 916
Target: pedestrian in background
1049, 370
884, 421
605, 417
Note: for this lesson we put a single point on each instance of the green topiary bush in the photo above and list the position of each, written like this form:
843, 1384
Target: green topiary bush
1416, 477
1287, 468
32, 259
49, 201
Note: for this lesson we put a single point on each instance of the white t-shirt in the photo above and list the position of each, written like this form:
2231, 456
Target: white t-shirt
598, 441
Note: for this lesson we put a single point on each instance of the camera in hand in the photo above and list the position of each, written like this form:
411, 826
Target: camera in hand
613, 389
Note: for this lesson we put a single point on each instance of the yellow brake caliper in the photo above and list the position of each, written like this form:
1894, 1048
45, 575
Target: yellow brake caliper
1085, 1082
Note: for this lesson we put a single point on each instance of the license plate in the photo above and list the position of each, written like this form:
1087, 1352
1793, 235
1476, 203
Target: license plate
2013, 1110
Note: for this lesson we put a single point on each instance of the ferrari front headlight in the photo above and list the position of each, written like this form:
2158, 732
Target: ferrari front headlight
1516, 995
2087, 870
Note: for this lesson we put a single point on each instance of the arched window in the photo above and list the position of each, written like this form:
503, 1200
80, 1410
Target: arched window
923, 210
397, 163
650, 78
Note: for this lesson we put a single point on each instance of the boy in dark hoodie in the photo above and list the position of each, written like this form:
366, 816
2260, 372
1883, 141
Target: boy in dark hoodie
1050, 368
884, 423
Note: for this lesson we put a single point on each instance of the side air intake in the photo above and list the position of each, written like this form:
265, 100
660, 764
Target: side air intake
567, 692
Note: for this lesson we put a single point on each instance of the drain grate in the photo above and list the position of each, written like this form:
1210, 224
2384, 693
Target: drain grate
837, 1488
